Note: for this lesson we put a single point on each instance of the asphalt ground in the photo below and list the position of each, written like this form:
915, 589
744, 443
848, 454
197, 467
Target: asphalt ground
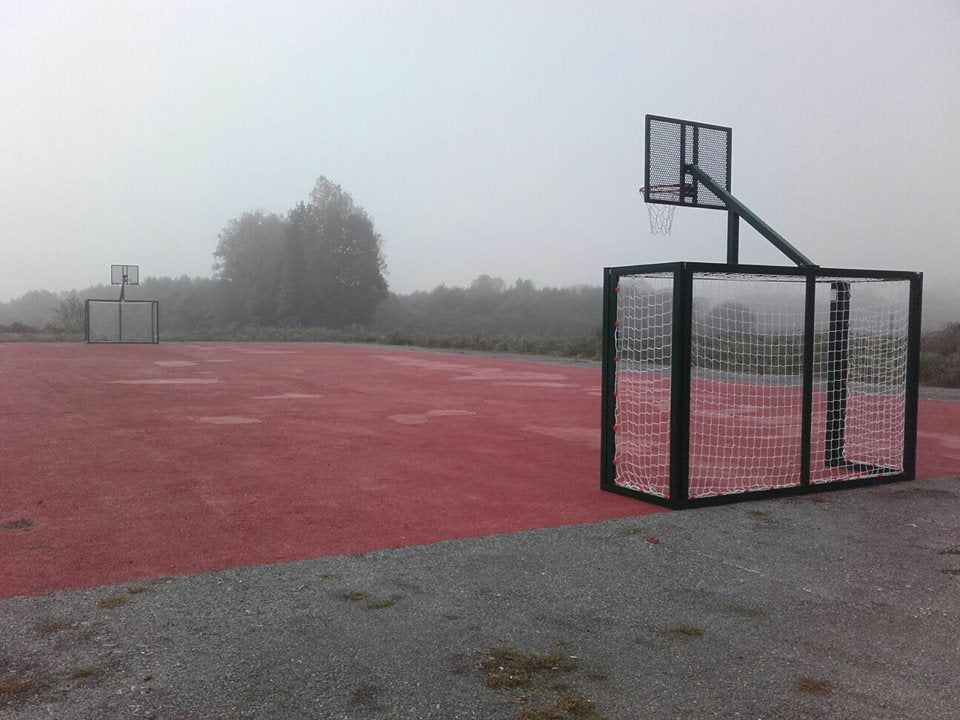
845, 605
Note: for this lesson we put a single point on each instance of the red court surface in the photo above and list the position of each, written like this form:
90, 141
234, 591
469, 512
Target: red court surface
129, 462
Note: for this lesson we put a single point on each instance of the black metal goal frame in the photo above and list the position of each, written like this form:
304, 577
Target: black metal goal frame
120, 304
681, 336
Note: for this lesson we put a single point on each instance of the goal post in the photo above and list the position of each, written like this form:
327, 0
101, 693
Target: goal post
728, 382
121, 321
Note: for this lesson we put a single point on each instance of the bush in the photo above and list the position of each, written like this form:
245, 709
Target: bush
940, 357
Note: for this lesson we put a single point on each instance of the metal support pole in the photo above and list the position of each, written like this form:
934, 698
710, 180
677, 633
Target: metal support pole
733, 238
806, 412
838, 368
608, 381
682, 312
913, 377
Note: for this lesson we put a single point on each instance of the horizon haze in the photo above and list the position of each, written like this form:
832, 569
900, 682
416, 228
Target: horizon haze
499, 138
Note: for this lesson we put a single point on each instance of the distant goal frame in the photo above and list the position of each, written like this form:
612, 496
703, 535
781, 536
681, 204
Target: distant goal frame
820, 441
152, 337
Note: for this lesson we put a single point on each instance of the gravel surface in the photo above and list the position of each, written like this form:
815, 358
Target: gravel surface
839, 606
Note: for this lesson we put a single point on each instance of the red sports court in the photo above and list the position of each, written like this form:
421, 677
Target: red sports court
136, 461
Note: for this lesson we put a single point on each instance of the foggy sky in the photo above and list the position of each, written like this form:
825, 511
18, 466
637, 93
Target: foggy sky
483, 137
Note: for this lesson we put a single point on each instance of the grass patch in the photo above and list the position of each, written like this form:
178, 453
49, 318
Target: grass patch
634, 530
19, 524
13, 684
955, 550
682, 632
380, 603
114, 601
365, 696
137, 589
950, 571
745, 611
83, 672
758, 513
597, 675
813, 686
509, 668
565, 708
354, 596
49, 627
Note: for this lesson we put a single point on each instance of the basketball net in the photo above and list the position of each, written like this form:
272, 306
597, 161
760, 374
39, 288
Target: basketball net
661, 216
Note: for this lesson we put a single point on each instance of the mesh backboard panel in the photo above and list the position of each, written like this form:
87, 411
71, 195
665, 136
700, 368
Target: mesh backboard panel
116, 321
671, 145
132, 273
645, 327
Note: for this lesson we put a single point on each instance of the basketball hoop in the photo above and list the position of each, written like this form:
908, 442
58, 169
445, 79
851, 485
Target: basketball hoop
661, 216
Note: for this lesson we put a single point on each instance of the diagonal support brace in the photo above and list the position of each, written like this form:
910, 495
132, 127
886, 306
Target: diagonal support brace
737, 207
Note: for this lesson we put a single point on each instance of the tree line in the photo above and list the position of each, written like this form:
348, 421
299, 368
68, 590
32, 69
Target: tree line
317, 272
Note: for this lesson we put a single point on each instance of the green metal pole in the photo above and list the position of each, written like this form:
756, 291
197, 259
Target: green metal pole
747, 214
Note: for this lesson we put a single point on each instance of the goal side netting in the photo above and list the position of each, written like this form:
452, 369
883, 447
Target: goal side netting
755, 385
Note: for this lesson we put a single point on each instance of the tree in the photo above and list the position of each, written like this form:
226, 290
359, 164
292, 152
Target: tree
248, 260
486, 285
321, 265
69, 315
342, 260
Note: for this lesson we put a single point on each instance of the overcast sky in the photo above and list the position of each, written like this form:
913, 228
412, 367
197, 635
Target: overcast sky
482, 137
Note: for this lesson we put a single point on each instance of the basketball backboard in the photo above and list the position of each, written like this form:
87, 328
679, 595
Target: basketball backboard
124, 274
672, 145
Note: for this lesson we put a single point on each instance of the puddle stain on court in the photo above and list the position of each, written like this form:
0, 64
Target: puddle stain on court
423, 418
287, 396
18, 524
538, 383
586, 435
268, 352
477, 372
498, 375
227, 420
166, 381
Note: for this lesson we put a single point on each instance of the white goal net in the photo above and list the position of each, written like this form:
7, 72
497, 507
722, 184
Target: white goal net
743, 423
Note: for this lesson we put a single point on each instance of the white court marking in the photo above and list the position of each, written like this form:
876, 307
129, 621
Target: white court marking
217, 360
951, 442
496, 374
589, 436
167, 381
476, 372
540, 383
421, 418
286, 396
174, 363
426, 364
270, 352
227, 420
